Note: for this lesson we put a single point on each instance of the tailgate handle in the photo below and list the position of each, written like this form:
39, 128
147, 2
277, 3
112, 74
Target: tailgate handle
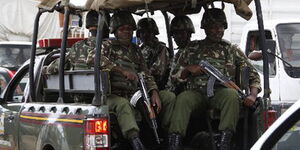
65, 110
53, 109
78, 111
32, 109
42, 109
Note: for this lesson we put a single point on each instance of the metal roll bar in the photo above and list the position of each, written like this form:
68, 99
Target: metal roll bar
99, 93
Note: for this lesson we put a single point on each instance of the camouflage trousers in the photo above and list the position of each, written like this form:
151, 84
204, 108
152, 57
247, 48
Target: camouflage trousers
190, 102
126, 113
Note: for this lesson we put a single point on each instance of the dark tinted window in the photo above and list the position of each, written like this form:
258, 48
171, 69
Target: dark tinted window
13, 56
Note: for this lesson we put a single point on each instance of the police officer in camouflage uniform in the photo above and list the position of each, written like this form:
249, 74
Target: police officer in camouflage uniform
229, 60
79, 51
156, 53
181, 29
124, 59
77, 55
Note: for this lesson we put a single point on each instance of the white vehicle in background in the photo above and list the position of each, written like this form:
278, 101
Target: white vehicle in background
284, 75
284, 134
14, 53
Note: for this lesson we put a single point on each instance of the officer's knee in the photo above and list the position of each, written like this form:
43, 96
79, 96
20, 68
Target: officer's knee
186, 97
231, 96
166, 96
122, 103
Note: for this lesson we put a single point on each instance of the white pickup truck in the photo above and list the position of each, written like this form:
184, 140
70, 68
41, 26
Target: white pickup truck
284, 74
284, 134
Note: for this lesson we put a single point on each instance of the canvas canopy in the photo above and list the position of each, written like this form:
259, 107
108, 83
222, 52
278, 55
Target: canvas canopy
183, 6
17, 17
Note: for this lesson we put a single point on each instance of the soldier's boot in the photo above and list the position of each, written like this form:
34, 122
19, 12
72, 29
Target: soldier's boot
174, 141
136, 143
225, 140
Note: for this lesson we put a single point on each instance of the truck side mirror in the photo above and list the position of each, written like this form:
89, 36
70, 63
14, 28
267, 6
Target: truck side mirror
257, 54
270, 46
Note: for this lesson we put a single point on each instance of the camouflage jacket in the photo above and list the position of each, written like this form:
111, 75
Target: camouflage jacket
156, 55
179, 52
78, 53
226, 57
174, 83
76, 56
114, 54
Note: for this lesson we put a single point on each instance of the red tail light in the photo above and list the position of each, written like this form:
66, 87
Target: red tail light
96, 134
272, 116
11, 73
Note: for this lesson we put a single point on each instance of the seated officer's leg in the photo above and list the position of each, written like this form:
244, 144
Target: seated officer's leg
186, 102
126, 119
168, 100
226, 100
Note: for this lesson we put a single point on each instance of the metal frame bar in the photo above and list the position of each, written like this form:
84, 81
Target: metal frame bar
99, 94
33, 53
262, 42
167, 23
62, 54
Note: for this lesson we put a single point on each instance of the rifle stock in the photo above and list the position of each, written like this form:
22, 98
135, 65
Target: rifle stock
146, 101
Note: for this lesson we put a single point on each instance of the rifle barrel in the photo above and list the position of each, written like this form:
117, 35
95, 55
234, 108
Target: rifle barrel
151, 113
154, 127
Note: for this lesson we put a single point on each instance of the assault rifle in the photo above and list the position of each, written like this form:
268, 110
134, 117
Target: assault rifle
215, 74
141, 100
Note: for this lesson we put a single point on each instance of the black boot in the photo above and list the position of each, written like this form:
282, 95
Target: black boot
217, 140
225, 140
137, 144
174, 141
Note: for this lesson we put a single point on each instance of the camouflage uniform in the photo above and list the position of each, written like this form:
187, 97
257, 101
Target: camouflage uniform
116, 54
175, 84
156, 53
180, 23
77, 54
157, 59
76, 57
225, 57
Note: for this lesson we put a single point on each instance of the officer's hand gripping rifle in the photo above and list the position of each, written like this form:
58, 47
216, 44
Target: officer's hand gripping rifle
148, 110
215, 74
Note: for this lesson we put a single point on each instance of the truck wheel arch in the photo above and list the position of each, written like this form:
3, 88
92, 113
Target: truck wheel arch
48, 142
48, 147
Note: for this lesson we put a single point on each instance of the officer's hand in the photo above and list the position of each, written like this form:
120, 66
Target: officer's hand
195, 70
44, 72
129, 75
155, 101
250, 100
